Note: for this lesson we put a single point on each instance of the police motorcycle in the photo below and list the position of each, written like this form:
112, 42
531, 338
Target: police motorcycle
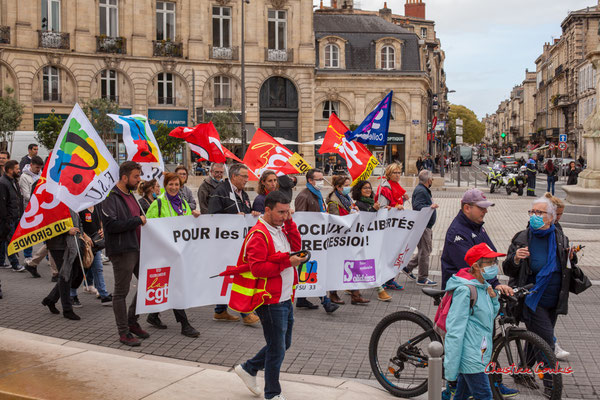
515, 181
495, 178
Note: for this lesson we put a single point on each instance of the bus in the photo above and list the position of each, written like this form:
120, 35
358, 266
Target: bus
466, 155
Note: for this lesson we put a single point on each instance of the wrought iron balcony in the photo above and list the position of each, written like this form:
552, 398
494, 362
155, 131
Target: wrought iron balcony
52, 96
559, 70
167, 101
224, 53
107, 44
222, 102
275, 55
4, 34
166, 48
54, 40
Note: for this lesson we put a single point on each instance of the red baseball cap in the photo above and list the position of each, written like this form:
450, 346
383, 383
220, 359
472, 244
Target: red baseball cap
481, 250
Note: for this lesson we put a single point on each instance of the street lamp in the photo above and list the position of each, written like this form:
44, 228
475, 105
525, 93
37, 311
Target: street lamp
243, 73
443, 141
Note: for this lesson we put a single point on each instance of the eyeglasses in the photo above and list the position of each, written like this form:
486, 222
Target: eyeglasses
539, 213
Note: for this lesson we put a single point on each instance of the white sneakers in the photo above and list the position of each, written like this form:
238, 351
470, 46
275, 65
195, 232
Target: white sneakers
278, 397
561, 355
249, 381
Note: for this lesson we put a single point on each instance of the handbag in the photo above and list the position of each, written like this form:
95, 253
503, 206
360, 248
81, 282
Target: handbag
579, 281
98, 242
87, 255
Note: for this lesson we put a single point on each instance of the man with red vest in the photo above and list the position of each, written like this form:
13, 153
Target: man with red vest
268, 285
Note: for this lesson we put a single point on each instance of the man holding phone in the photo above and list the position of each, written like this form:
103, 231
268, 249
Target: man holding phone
267, 251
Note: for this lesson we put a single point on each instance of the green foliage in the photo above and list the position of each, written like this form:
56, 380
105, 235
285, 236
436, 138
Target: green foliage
11, 115
168, 145
473, 129
48, 130
227, 124
97, 110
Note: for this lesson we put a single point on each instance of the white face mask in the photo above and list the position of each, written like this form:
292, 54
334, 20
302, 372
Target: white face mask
319, 184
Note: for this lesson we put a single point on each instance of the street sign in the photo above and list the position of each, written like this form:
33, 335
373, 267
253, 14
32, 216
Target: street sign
551, 146
459, 140
459, 130
562, 137
459, 122
562, 146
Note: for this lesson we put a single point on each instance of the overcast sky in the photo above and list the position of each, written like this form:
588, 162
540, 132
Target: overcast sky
489, 44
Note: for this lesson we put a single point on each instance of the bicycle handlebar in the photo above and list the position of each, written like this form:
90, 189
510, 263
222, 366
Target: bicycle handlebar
519, 292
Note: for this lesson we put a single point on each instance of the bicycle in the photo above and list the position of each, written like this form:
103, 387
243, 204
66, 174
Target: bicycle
406, 334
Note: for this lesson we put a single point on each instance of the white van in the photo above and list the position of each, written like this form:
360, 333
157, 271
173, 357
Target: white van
18, 146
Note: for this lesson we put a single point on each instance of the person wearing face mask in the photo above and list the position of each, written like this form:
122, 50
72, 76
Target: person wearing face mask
148, 191
422, 198
266, 184
540, 254
207, 188
469, 336
339, 203
11, 209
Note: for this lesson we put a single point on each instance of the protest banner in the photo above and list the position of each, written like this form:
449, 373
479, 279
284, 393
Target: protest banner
357, 251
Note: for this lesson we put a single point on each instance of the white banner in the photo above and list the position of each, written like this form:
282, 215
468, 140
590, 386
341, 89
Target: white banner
180, 254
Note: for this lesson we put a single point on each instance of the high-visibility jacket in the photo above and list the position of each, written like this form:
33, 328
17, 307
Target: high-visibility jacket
257, 280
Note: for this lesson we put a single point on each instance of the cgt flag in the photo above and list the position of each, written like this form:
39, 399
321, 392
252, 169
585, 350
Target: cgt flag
204, 140
264, 153
141, 145
44, 218
374, 129
81, 170
358, 158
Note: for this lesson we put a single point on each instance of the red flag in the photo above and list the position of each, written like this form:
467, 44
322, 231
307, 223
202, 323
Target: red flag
44, 218
358, 158
264, 153
204, 140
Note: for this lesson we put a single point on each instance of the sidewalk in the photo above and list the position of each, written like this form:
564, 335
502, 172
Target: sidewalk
42, 367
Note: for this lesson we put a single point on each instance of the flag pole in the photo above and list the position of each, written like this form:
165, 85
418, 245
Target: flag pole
231, 186
87, 288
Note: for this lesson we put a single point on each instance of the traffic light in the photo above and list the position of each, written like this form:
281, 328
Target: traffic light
503, 135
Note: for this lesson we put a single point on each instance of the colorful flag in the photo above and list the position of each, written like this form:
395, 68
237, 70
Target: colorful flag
358, 158
141, 145
81, 171
264, 153
44, 218
374, 129
204, 140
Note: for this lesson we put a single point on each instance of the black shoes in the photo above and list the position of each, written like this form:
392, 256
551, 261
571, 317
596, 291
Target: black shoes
129, 340
54, 278
51, 306
107, 300
76, 303
304, 303
188, 330
32, 271
154, 320
71, 315
330, 307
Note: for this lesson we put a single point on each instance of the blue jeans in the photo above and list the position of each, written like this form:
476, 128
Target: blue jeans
277, 321
97, 275
13, 259
550, 180
476, 385
28, 252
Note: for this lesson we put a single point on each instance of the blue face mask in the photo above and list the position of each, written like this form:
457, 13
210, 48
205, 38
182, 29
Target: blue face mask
154, 195
346, 190
490, 272
536, 222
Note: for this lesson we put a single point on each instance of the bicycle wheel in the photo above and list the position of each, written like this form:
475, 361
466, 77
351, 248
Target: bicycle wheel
525, 351
397, 353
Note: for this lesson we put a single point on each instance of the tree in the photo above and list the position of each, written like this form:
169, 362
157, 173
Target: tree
168, 145
97, 111
11, 115
48, 130
473, 129
227, 124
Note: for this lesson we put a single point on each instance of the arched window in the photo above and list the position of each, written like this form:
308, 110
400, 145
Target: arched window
330, 107
166, 88
387, 57
51, 84
108, 85
332, 56
222, 91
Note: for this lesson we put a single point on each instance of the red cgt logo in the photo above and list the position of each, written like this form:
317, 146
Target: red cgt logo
157, 286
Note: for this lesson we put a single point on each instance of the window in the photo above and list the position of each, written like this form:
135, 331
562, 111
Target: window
221, 21
423, 33
166, 89
51, 15
109, 18
387, 57
330, 107
277, 30
165, 20
108, 84
51, 84
332, 56
222, 91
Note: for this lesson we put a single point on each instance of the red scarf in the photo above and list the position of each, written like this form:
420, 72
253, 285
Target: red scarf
397, 193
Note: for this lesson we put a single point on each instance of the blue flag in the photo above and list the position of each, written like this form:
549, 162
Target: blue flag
374, 129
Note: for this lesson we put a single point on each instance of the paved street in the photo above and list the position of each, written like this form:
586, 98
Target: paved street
326, 345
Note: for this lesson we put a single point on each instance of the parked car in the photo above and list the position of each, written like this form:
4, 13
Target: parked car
484, 160
509, 161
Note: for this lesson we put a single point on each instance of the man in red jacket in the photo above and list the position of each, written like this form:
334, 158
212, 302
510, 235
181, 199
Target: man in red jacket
267, 252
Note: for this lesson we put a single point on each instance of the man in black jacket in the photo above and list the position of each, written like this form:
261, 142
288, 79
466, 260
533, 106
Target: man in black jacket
122, 219
11, 209
32, 151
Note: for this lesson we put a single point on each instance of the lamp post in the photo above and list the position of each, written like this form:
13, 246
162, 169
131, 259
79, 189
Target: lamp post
243, 79
443, 141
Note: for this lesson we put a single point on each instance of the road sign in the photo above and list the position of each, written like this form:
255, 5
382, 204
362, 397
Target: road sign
459, 130
562, 146
551, 146
562, 137
459, 139
459, 122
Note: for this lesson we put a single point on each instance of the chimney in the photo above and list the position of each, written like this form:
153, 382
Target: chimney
347, 4
334, 4
415, 9
321, 6
386, 13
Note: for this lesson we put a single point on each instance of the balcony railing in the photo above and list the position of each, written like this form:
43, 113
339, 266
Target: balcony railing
167, 101
4, 34
559, 70
165, 48
224, 53
222, 102
53, 97
54, 40
114, 99
107, 44
275, 55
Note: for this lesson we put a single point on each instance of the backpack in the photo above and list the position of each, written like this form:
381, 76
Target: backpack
439, 324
